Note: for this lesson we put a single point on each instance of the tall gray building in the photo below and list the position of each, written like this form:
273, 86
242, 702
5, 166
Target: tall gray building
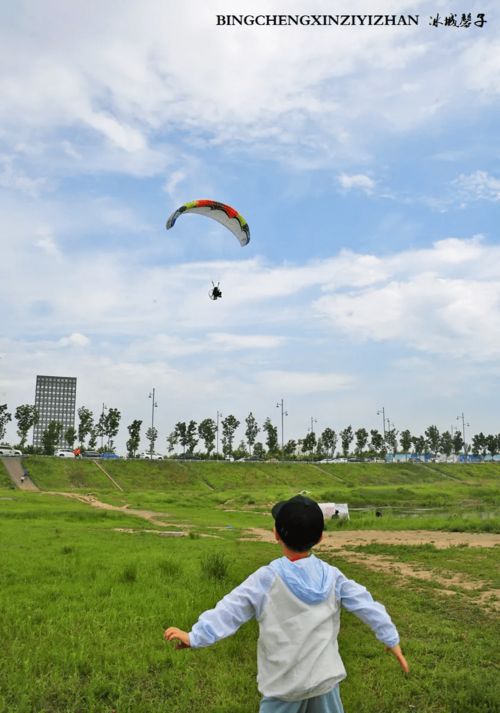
55, 400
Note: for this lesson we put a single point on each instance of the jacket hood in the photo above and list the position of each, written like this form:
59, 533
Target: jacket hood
310, 579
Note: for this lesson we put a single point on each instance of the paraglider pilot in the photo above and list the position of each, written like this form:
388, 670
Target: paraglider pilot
215, 292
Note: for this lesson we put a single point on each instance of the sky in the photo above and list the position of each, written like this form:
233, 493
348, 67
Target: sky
365, 160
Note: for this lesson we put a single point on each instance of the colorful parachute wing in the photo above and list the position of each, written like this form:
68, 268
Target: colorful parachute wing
224, 214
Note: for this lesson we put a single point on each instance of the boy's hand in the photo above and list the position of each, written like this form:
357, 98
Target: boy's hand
181, 637
396, 651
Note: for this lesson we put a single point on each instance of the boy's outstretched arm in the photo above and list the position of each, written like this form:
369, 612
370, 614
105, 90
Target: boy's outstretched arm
396, 651
175, 634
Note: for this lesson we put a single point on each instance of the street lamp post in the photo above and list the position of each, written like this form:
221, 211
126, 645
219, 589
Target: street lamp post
153, 406
283, 413
382, 411
219, 416
313, 421
462, 418
104, 409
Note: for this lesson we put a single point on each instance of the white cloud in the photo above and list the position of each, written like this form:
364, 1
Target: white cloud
74, 340
302, 382
358, 180
479, 185
437, 301
326, 96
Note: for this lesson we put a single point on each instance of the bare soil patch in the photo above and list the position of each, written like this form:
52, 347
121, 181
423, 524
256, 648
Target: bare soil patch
339, 542
440, 539
155, 518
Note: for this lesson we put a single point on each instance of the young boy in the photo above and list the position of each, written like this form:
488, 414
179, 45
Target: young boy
296, 599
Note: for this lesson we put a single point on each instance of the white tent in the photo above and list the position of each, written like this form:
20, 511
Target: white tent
331, 510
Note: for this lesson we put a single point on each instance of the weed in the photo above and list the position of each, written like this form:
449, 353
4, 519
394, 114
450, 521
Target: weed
169, 568
129, 573
215, 566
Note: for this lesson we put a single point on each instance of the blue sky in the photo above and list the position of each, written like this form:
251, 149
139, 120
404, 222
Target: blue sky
365, 160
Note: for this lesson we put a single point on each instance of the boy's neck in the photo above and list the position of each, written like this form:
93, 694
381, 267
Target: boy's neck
294, 556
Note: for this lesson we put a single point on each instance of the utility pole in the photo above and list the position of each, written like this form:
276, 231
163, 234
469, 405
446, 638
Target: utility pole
283, 413
153, 406
219, 416
382, 411
104, 409
462, 417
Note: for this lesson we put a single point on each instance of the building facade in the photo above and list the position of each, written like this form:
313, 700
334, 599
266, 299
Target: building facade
55, 400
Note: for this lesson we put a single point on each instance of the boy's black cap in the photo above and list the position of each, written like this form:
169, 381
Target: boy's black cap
299, 522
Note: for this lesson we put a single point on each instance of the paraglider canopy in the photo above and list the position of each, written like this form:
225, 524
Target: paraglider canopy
222, 213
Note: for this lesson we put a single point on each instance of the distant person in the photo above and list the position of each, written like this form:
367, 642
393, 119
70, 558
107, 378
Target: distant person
296, 599
378, 513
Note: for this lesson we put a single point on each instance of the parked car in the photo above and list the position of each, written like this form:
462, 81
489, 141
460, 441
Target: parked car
91, 454
150, 456
9, 451
109, 455
64, 453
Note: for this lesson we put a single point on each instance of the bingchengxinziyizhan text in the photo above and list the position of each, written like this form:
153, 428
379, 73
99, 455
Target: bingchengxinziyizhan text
457, 20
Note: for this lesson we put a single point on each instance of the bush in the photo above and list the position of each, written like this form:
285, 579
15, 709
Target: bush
215, 566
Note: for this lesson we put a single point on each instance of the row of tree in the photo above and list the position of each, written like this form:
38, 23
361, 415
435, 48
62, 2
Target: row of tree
188, 435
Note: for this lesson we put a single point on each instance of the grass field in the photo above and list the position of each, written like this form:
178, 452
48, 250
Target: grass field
86, 593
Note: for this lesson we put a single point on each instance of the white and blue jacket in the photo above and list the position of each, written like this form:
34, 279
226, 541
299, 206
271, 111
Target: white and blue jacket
297, 605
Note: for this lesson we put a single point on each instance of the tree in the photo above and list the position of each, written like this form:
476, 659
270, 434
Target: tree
479, 444
85, 424
309, 442
271, 435
458, 442
346, 437
111, 425
251, 431
151, 436
191, 436
241, 450
391, 438
405, 442
493, 444
258, 450
229, 426
361, 440
419, 445
433, 439
26, 417
172, 439
51, 436
329, 438
181, 434
320, 448
70, 436
446, 443
290, 448
5, 417
100, 427
93, 439
207, 430
134, 438
377, 441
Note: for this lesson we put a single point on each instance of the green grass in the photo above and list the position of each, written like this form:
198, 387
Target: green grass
477, 563
83, 607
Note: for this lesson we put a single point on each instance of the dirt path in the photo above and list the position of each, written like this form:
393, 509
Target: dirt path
150, 515
15, 469
440, 540
338, 542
